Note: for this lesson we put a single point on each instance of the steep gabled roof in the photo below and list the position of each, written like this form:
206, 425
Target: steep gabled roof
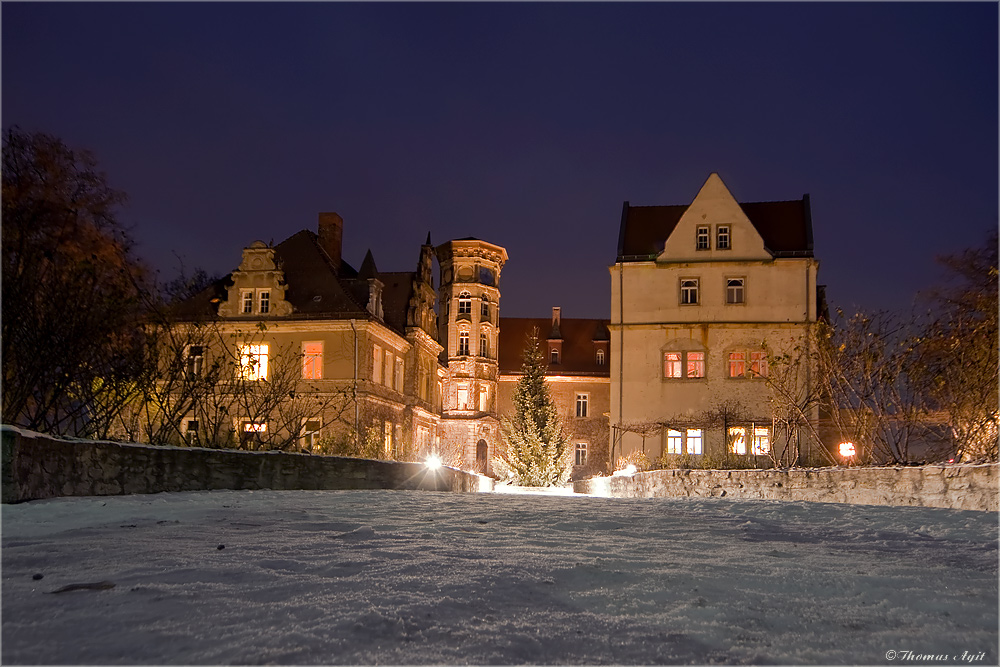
578, 348
785, 227
313, 286
396, 293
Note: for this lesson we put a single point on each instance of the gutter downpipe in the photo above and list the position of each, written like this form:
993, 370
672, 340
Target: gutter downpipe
621, 330
354, 386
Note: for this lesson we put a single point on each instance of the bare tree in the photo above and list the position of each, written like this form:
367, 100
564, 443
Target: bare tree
71, 291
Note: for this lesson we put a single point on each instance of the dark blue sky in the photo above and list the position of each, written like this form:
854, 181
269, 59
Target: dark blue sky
526, 125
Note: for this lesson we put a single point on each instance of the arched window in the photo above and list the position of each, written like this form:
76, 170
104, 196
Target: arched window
554, 356
463, 343
464, 303
600, 357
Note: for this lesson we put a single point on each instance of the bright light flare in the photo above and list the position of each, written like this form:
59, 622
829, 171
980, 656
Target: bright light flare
847, 449
627, 471
433, 462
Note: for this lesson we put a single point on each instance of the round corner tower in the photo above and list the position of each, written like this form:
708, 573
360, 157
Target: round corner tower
469, 330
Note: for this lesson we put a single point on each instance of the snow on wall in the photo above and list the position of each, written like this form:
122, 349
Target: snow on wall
965, 487
37, 466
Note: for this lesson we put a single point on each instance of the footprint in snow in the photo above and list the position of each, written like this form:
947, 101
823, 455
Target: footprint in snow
361, 533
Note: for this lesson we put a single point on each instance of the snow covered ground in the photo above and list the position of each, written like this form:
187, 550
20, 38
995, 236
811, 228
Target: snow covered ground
388, 577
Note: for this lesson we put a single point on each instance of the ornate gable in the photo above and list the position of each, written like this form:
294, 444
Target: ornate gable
258, 288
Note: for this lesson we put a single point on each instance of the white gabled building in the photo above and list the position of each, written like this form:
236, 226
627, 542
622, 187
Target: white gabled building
704, 296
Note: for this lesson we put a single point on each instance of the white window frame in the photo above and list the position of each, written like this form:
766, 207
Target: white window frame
675, 441
736, 294
194, 364
580, 454
737, 439
694, 441
747, 364
723, 237
582, 405
689, 291
703, 238
600, 357
679, 368
463, 344
263, 301
761, 444
247, 299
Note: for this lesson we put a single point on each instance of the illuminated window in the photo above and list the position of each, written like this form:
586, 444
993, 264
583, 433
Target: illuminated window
484, 399
675, 442
600, 357
387, 440
254, 427
554, 356
462, 396
694, 441
737, 440
377, 364
253, 362
722, 237
695, 364
581, 454
265, 301
761, 440
247, 296
463, 343
582, 401
758, 364
399, 375
672, 365
689, 291
683, 364
735, 290
312, 360
737, 364
310, 433
387, 371
702, 239
193, 361
484, 350
464, 303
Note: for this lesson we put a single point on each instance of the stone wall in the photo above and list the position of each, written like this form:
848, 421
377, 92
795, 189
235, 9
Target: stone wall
40, 466
963, 487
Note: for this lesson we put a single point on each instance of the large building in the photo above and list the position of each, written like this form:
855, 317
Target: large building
704, 297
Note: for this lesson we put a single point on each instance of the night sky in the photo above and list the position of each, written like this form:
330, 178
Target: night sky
526, 125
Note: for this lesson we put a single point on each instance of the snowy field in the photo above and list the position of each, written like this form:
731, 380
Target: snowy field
388, 577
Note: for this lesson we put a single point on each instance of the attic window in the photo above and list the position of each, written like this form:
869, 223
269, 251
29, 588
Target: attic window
600, 357
722, 237
702, 242
265, 301
554, 356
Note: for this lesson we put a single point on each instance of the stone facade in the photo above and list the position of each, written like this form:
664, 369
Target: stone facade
960, 487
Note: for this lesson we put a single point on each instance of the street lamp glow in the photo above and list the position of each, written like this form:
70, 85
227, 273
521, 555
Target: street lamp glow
847, 449
433, 462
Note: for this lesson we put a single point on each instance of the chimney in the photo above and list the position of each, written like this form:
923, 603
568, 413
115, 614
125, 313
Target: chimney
331, 235
556, 320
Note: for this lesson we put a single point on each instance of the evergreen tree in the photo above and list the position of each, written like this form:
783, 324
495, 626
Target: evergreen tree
537, 451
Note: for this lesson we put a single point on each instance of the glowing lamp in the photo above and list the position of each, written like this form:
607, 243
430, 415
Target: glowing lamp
847, 449
433, 462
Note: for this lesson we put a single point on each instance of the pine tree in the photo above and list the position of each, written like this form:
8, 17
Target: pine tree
537, 451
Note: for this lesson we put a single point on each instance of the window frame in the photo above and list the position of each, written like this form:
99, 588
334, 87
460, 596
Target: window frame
308, 439
681, 365
687, 290
264, 301
723, 232
312, 362
484, 344
747, 359
733, 291
578, 449
703, 238
247, 298
251, 356
599, 357
376, 363
675, 442
194, 364
463, 344
736, 440
760, 443
582, 410
694, 435
465, 303
554, 355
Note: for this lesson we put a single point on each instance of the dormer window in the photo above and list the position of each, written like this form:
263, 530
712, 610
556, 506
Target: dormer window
600, 357
554, 356
464, 303
702, 239
264, 298
722, 237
